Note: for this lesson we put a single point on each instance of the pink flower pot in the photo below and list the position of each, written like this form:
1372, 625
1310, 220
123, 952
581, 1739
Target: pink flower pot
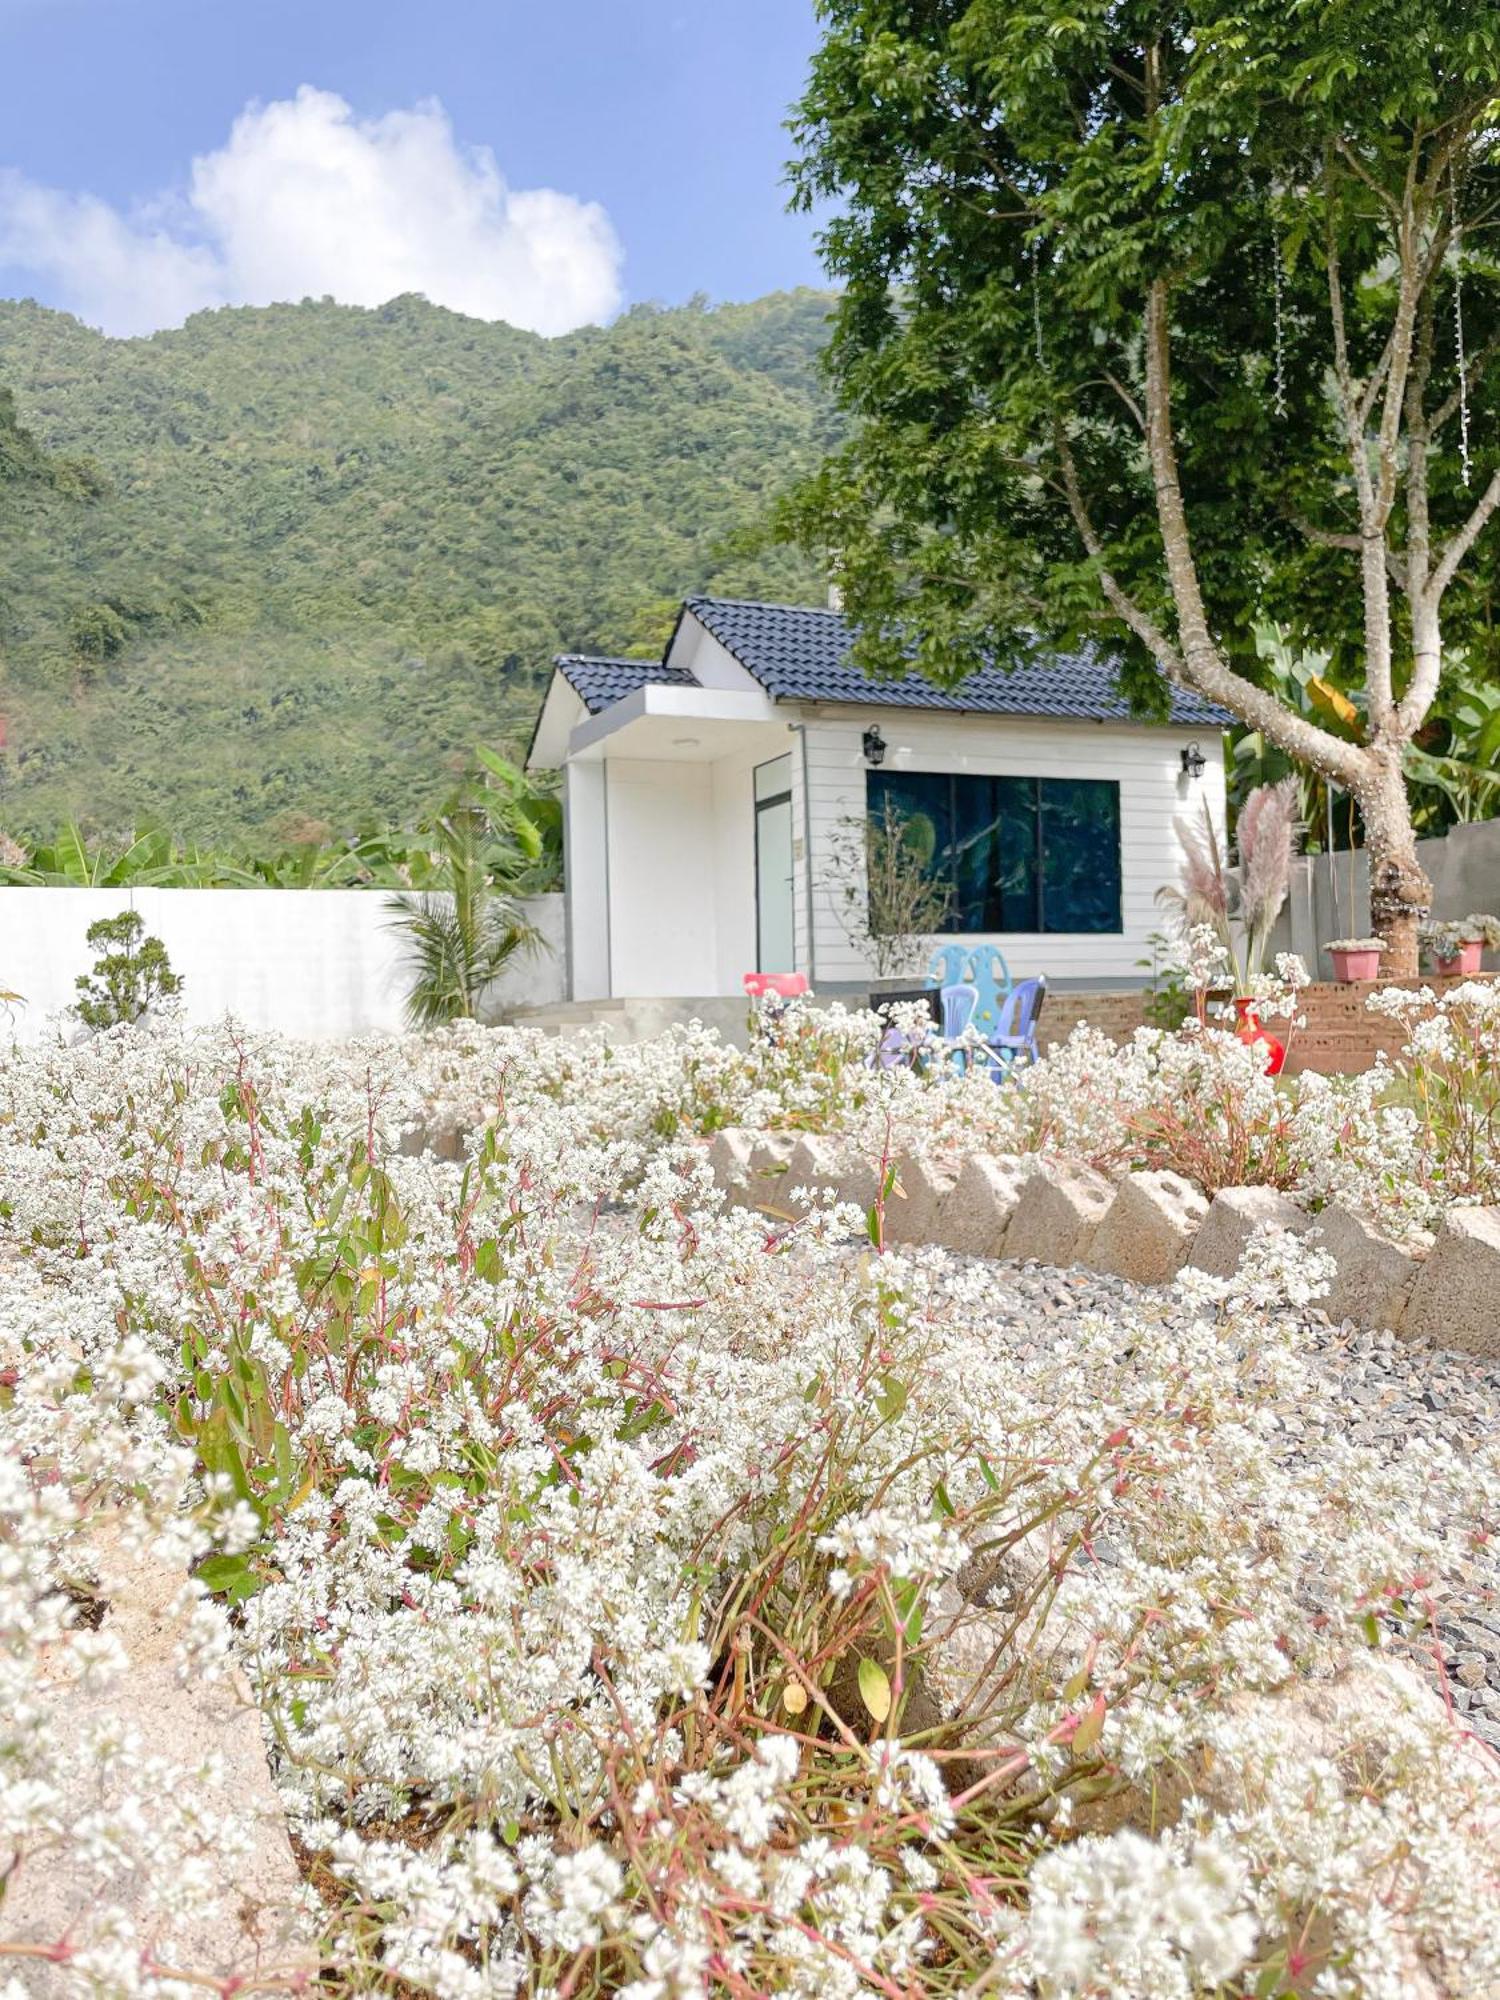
1469, 958
1351, 966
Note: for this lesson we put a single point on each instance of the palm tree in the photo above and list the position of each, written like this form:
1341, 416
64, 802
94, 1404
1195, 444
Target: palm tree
465, 930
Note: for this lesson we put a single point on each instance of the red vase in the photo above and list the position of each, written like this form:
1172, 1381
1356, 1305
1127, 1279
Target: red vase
1250, 1031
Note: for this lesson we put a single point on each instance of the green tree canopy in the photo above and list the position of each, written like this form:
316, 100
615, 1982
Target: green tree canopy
1150, 332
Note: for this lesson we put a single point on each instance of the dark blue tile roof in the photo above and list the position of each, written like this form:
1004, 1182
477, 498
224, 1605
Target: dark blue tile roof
799, 654
600, 683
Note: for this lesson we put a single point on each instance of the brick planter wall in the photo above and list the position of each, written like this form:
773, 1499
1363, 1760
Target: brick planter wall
1116, 1014
1341, 1036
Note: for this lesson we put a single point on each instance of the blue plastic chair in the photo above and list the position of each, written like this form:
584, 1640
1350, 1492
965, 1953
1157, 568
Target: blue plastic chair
946, 966
981, 966
1016, 1035
958, 1003
895, 1050
989, 972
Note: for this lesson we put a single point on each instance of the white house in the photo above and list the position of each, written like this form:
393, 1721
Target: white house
701, 792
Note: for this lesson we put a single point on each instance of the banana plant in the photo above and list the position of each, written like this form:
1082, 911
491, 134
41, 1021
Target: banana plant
1459, 783
150, 859
1467, 772
521, 836
1299, 678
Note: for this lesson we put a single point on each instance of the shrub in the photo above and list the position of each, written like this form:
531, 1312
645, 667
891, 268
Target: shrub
131, 975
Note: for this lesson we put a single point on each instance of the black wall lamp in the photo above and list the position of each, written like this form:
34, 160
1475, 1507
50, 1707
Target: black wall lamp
1194, 763
874, 746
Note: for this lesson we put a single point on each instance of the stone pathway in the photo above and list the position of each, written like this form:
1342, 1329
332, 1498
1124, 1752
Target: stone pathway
214, 1812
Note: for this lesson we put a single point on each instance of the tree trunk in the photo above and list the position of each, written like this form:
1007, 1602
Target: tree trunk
1400, 894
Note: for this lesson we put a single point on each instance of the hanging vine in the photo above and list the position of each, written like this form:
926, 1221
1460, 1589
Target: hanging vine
1036, 308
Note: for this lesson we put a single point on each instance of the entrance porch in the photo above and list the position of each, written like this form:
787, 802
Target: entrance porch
681, 850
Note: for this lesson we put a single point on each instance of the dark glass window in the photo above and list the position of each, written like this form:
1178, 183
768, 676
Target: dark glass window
1021, 854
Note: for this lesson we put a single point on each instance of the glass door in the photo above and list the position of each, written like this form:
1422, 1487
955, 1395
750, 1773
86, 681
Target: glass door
775, 947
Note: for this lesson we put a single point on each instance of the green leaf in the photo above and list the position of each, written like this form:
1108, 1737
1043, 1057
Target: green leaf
286, 1470
1089, 1731
892, 1398
908, 1597
233, 1577
875, 1688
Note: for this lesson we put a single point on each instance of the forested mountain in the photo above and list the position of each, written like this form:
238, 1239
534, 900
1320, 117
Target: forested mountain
296, 561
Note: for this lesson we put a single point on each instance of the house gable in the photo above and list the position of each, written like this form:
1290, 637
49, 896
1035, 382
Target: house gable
695, 650
561, 712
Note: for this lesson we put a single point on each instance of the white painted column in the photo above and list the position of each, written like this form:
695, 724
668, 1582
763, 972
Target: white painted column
586, 857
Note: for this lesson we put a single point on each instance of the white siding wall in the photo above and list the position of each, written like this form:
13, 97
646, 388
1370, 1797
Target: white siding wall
1145, 762
662, 886
802, 873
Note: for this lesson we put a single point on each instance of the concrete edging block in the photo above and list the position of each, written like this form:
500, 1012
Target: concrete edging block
1150, 1229
1374, 1277
1455, 1301
1145, 1228
1234, 1216
1061, 1205
918, 1210
976, 1217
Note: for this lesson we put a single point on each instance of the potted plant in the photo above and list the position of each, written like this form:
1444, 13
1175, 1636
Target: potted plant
1355, 959
887, 901
1458, 944
1487, 930
1241, 907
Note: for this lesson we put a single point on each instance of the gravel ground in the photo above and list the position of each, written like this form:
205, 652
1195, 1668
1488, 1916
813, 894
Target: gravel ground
1383, 1392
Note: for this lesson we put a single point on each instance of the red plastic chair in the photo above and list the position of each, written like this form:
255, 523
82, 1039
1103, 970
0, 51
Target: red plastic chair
789, 985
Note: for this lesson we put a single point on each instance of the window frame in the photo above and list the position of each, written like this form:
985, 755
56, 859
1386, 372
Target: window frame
877, 781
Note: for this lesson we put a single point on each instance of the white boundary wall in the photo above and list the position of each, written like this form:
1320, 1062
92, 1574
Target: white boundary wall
1331, 893
316, 964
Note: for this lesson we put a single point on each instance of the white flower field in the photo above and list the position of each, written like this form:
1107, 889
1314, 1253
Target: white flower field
641, 1596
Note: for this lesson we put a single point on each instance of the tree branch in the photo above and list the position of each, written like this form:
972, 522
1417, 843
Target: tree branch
1475, 365
1198, 665
1128, 400
1349, 543
1427, 652
1464, 540
1362, 173
1325, 538
1122, 603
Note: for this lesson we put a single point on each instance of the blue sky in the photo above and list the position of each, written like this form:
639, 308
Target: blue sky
659, 123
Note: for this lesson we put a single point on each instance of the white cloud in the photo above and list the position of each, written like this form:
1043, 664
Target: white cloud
305, 199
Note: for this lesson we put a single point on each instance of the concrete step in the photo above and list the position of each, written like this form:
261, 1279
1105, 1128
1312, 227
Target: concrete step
634, 1020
